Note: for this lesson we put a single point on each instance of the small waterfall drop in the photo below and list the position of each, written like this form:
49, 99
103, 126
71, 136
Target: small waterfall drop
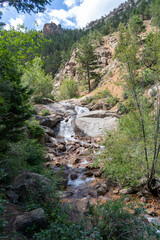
80, 110
66, 128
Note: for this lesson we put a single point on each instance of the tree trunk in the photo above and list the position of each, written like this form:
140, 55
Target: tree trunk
88, 77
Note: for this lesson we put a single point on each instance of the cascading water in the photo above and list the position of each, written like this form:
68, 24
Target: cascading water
66, 129
80, 110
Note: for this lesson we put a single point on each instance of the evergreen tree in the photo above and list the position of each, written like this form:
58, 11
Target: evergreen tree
87, 58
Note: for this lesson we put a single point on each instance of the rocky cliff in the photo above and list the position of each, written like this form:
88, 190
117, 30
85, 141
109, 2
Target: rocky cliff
51, 28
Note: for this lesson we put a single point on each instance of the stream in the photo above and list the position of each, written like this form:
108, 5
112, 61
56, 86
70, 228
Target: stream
82, 182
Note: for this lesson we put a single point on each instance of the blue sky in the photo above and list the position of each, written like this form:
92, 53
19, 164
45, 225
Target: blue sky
68, 13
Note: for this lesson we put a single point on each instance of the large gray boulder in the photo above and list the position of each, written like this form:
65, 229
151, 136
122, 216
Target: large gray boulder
35, 218
49, 121
95, 123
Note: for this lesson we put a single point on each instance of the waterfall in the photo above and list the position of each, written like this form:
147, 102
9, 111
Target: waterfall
66, 129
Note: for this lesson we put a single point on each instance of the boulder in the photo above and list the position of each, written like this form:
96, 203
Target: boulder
94, 127
126, 191
27, 182
48, 131
82, 205
49, 121
36, 217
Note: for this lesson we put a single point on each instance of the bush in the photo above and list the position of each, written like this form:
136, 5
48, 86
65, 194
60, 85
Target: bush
35, 131
45, 112
148, 77
69, 89
122, 108
112, 221
123, 157
34, 77
125, 95
21, 154
112, 101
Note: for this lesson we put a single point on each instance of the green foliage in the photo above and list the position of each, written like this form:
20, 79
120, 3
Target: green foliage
112, 221
125, 95
21, 45
22, 154
156, 13
136, 25
148, 77
35, 131
123, 158
87, 58
69, 89
34, 77
45, 112
112, 101
14, 107
27, 6
62, 231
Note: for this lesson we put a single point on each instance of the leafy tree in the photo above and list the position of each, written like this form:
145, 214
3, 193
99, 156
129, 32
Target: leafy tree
27, 5
87, 58
127, 52
34, 77
69, 89
24, 45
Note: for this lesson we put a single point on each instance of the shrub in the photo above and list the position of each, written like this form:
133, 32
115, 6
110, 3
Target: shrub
34, 77
2, 210
148, 77
45, 112
112, 101
112, 221
35, 130
125, 95
122, 108
153, 92
69, 89
21, 154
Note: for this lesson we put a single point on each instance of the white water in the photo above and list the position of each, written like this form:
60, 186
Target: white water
66, 127
78, 182
80, 110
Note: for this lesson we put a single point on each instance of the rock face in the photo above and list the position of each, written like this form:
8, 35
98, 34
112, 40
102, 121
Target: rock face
95, 123
49, 121
51, 28
36, 217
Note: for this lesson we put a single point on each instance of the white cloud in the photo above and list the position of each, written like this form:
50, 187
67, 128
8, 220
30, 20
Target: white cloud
69, 3
79, 13
15, 23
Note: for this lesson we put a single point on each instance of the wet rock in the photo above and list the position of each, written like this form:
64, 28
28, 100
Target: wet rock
102, 189
36, 217
89, 174
73, 176
83, 178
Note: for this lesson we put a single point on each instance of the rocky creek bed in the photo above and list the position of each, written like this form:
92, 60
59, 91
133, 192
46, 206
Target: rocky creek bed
72, 137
